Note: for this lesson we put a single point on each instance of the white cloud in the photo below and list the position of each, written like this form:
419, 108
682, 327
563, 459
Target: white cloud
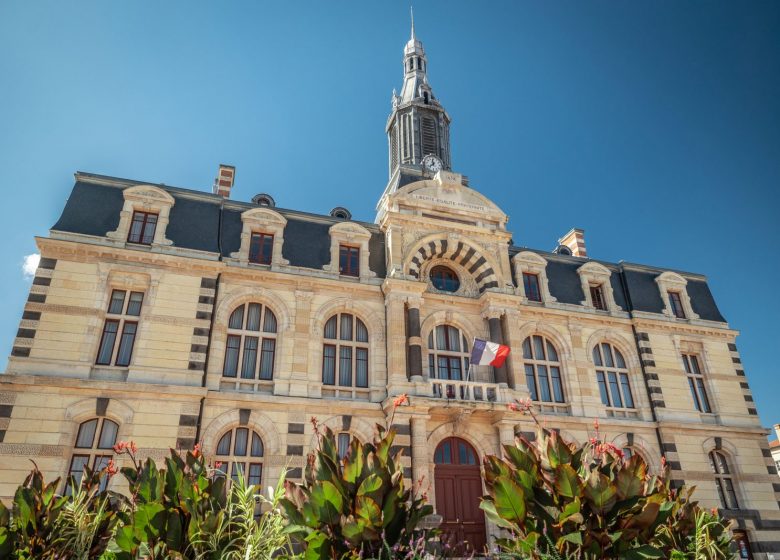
30, 265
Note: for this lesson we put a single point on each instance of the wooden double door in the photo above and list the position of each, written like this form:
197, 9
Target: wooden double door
458, 486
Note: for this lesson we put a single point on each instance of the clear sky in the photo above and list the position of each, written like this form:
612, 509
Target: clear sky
654, 126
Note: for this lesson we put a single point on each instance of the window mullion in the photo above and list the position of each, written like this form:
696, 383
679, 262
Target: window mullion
117, 340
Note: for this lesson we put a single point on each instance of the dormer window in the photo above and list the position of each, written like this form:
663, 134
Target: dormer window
597, 297
349, 260
261, 248
142, 228
675, 302
531, 286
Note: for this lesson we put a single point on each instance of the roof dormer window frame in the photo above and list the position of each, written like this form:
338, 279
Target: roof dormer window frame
146, 199
528, 262
672, 282
353, 235
595, 274
262, 221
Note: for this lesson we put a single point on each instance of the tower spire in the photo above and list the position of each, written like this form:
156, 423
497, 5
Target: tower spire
411, 9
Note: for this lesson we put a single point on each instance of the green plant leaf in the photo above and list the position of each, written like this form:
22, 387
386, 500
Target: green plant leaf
600, 492
643, 553
509, 500
567, 481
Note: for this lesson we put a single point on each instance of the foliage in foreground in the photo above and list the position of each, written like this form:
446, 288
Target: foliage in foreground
358, 506
559, 500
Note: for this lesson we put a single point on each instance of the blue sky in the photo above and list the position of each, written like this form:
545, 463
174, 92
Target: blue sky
655, 126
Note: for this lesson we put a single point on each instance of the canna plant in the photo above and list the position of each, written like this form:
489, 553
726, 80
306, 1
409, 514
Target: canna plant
358, 507
558, 500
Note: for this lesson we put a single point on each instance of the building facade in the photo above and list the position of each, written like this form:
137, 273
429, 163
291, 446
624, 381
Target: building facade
170, 316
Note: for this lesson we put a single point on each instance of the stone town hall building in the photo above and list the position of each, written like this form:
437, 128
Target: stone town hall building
168, 316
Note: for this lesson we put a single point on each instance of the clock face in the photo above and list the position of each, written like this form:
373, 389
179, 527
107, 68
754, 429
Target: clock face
432, 163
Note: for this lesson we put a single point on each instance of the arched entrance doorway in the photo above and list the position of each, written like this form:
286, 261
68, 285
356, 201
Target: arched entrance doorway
458, 492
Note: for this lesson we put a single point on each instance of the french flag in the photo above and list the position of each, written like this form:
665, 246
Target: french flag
486, 353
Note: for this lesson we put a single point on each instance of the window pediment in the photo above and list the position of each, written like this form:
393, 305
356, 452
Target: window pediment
532, 263
148, 199
672, 282
595, 275
262, 220
349, 234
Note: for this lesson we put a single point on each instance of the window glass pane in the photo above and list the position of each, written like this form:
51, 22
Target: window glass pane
446, 453
269, 321
267, 358
465, 344
268, 248
126, 344
343, 444
255, 474
354, 264
361, 332
538, 348
723, 466
530, 380
552, 355
117, 303
731, 495
555, 374
237, 470
148, 231
444, 367
607, 352
621, 363
614, 390
628, 398
107, 434
346, 327
441, 337
544, 383
329, 365
254, 248
231, 355
361, 367
257, 445
100, 462
430, 340
455, 369
527, 349
77, 466
597, 356
253, 317
135, 228
345, 366
331, 326
107, 342
693, 394
463, 453
223, 447
236, 320
686, 364
86, 434
239, 448
453, 339
134, 305
695, 365
602, 388
713, 467
705, 402
250, 357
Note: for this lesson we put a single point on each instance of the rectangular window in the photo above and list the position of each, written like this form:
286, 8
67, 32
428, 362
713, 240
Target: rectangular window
597, 297
603, 388
142, 228
106, 351
696, 383
628, 398
126, 344
329, 364
614, 389
676, 303
531, 285
530, 380
267, 358
343, 444
255, 473
555, 374
345, 366
250, 357
231, 356
134, 305
77, 465
349, 260
261, 248
117, 303
361, 367
544, 383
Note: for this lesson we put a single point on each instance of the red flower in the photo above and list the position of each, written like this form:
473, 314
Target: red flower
400, 400
663, 461
111, 469
196, 450
513, 407
217, 464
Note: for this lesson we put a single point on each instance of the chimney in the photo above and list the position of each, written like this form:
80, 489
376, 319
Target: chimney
224, 181
575, 241
777, 432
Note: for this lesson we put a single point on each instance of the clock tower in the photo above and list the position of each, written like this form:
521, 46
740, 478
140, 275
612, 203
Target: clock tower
418, 129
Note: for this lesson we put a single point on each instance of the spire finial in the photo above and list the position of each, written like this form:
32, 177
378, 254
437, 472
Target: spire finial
411, 9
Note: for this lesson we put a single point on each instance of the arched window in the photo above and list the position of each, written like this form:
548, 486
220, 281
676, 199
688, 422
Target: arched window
612, 376
345, 352
240, 453
251, 343
93, 448
448, 353
454, 451
444, 278
542, 370
723, 480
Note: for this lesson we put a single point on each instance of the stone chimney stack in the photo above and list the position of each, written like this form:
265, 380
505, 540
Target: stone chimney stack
575, 241
224, 181
777, 431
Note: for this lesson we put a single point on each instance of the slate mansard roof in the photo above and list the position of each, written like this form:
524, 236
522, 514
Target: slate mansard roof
206, 222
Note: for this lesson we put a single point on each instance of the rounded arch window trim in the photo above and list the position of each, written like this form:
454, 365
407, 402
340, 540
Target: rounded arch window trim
448, 350
726, 478
251, 342
613, 376
543, 369
240, 451
454, 450
93, 446
444, 278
